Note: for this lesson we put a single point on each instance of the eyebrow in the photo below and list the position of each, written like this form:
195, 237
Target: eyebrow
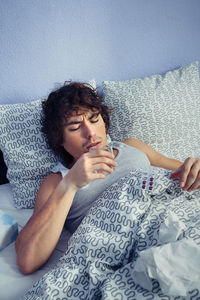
78, 122
73, 122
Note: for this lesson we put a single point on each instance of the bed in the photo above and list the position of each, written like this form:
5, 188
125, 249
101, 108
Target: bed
161, 110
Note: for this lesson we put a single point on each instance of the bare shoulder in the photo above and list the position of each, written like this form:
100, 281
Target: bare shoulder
47, 187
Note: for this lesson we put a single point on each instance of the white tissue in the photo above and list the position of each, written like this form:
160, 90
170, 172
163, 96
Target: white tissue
8, 230
171, 229
176, 264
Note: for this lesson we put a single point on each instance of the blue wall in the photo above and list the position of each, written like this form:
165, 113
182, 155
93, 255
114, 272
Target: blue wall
45, 42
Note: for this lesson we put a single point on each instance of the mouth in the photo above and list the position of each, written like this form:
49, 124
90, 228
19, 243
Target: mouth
93, 146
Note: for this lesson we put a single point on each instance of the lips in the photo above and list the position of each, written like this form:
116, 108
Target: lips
93, 145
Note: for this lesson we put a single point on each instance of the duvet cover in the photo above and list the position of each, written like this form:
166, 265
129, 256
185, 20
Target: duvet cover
134, 243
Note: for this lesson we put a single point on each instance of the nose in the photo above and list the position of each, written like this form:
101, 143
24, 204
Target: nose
88, 130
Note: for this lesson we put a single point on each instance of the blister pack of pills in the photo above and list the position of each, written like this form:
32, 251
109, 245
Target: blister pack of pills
147, 181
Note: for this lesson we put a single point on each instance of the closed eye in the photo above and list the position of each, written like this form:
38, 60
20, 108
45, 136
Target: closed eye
74, 123
74, 129
94, 118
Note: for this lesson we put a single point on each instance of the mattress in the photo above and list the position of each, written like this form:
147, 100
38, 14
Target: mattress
13, 283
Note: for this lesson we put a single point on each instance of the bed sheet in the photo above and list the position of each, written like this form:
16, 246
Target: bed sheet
13, 284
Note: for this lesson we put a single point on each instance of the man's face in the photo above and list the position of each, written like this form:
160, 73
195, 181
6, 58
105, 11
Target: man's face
84, 129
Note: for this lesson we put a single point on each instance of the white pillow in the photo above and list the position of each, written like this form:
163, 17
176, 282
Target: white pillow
161, 110
25, 150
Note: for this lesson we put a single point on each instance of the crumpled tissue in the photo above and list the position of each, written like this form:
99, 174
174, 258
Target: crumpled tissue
175, 264
8, 230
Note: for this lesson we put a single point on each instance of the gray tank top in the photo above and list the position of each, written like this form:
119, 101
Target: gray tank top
128, 159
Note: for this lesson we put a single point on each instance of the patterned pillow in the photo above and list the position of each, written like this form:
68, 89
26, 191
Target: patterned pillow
161, 110
25, 151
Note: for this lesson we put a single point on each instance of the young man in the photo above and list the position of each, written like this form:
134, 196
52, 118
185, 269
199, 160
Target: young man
75, 120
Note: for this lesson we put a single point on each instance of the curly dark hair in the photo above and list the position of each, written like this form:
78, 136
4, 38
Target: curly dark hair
60, 105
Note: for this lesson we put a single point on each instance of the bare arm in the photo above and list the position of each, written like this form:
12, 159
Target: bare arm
156, 159
188, 172
39, 237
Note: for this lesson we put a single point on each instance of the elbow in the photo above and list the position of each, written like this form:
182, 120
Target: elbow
25, 260
24, 268
25, 265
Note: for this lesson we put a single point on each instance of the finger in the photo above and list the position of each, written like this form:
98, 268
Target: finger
195, 186
185, 171
89, 175
105, 160
98, 175
103, 168
193, 178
